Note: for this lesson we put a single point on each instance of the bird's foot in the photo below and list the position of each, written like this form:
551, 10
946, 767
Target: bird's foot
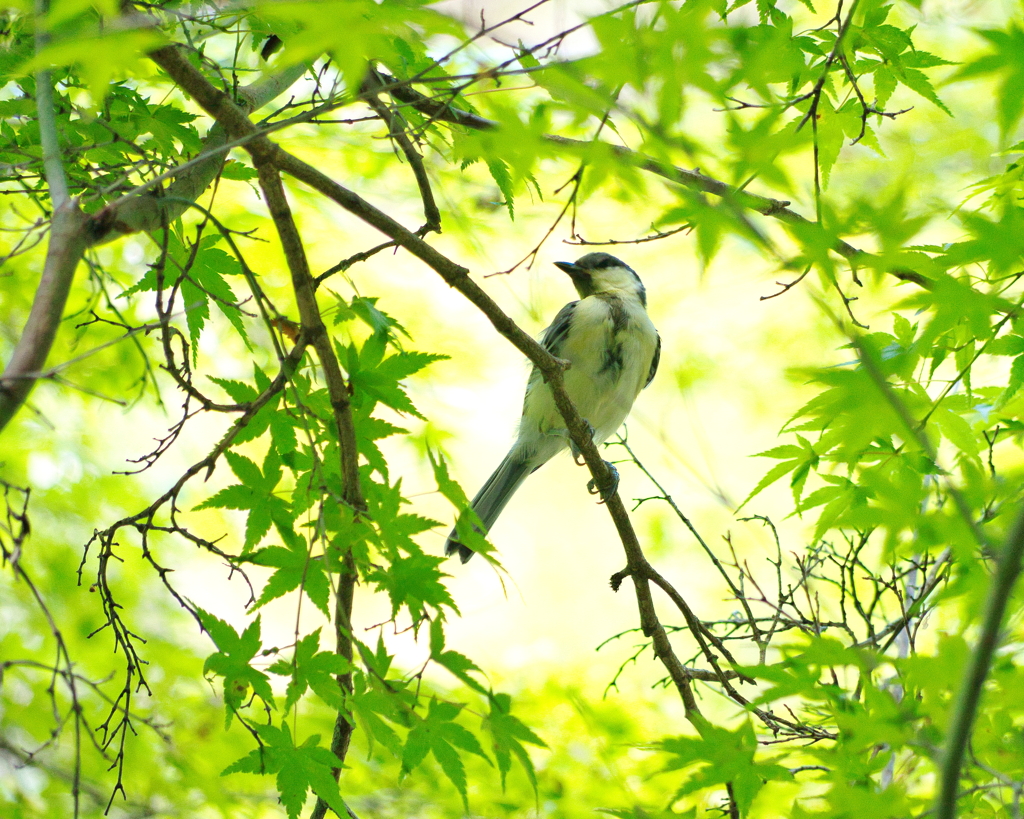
608, 491
575, 450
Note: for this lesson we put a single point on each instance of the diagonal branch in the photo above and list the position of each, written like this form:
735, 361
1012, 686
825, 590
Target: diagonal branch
766, 206
264, 154
551, 368
66, 248
959, 734
219, 106
397, 132
153, 209
72, 232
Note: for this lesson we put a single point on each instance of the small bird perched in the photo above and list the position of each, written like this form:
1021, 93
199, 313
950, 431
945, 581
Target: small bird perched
613, 350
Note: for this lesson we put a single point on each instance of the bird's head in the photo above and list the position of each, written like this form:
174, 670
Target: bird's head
598, 273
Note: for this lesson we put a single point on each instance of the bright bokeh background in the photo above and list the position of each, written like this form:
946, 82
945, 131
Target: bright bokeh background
733, 370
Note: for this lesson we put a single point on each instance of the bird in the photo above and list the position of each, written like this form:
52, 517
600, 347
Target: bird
613, 350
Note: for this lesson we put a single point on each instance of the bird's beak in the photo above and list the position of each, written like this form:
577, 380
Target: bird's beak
576, 273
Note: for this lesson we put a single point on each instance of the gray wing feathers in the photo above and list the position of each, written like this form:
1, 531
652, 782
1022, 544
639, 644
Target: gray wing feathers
554, 336
654, 363
552, 339
493, 497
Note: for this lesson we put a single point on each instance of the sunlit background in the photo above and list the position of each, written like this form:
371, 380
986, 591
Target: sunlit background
734, 369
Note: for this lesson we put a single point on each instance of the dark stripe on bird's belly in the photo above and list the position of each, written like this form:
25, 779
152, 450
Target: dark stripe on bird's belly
612, 362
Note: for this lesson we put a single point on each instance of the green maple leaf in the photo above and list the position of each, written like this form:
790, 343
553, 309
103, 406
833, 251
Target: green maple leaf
255, 494
368, 431
295, 567
1007, 59
414, 582
313, 669
377, 378
467, 524
233, 660
299, 769
396, 529
201, 271
280, 422
439, 735
509, 734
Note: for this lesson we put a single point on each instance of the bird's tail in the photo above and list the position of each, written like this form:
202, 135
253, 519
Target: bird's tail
493, 497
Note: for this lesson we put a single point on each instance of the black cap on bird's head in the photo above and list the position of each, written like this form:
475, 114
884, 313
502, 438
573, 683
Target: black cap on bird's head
602, 273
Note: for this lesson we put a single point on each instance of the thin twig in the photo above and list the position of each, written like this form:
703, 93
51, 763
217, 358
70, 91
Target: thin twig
774, 208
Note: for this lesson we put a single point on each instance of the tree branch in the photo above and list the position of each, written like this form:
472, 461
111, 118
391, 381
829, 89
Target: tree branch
314, 329
66, 247
551, 368
153, 209
72, 232
264, 154
766, 206
397, 132
49, 138
959, 734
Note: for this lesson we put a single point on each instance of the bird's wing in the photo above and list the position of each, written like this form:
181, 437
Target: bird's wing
654, 363
552, 339
554, 336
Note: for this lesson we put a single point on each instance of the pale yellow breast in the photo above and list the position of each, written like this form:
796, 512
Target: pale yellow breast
604, 394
